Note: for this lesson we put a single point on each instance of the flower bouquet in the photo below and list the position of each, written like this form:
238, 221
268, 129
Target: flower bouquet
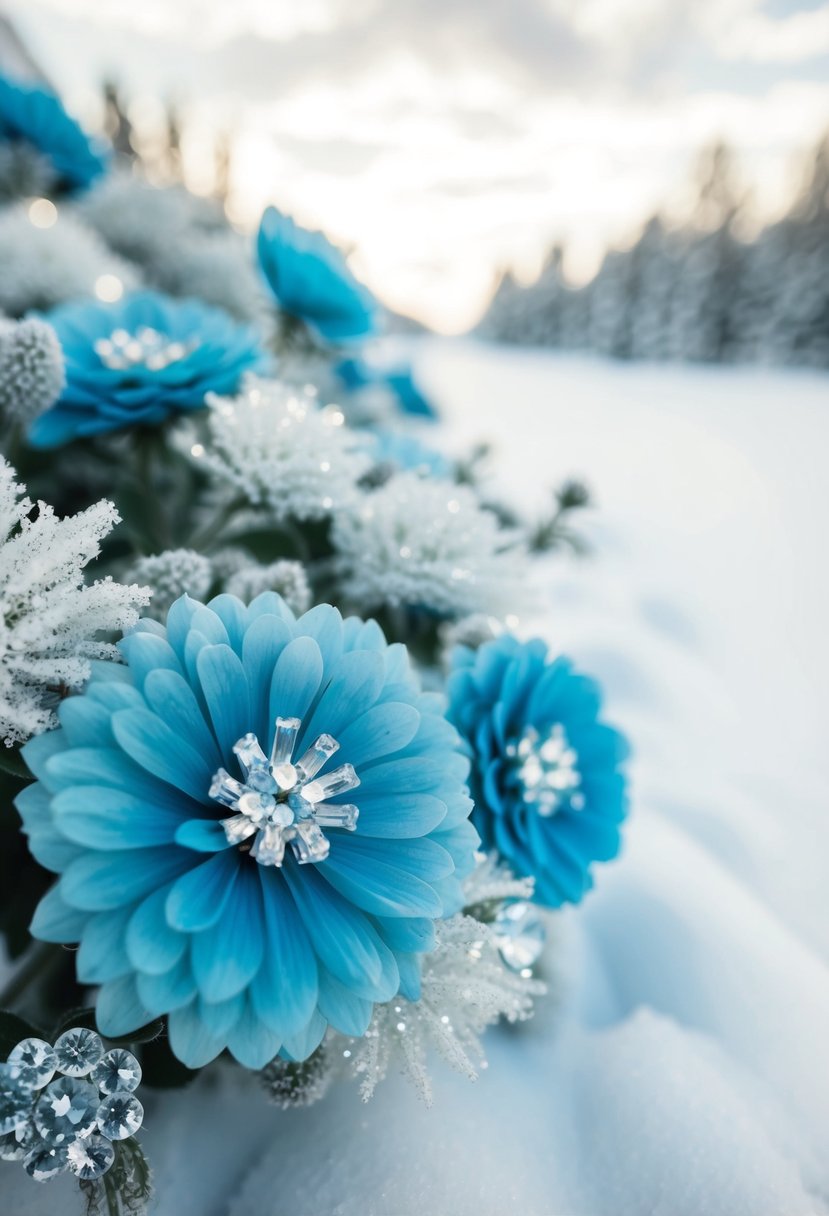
280, 781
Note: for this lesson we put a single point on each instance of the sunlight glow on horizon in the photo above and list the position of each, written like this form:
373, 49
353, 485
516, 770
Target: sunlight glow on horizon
438, 159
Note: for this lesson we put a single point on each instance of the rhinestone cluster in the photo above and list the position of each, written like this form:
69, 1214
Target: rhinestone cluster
546, 770
62, 1107
148, 348
282, 802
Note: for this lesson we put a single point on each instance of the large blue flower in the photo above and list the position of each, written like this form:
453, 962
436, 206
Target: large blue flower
549, 793
398, 379
311, 281
256, 822
140, 360
33, 115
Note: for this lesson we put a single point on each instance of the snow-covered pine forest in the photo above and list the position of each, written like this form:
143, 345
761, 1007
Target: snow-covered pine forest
702, 291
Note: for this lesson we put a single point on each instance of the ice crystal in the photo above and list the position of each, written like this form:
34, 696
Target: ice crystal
426, 544
31, 369
173, 573
465, 989
281, 800
44, 266
287, 578
50, 621
280, 450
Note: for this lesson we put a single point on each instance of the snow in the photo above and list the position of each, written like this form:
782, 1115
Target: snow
681, 1066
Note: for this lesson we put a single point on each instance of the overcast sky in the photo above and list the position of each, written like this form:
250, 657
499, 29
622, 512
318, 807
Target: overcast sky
443, 139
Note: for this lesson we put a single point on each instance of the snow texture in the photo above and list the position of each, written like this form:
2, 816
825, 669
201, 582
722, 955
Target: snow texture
680, 1067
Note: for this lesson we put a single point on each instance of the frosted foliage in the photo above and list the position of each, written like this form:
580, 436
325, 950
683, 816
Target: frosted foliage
173, 573
50, 621
427, 544
24, 172
281, 451
465, 988
45, 266
31, 369
287, 578
217, 267
142, 222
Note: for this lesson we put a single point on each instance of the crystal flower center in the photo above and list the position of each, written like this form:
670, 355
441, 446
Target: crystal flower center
147, 348
282, 802
546, 770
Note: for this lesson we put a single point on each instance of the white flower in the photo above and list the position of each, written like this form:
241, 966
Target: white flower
49, 621
287, 578
31, 369
217, 267
140, 221
465, 988
276, 446
44, 266
173, 573
429, 544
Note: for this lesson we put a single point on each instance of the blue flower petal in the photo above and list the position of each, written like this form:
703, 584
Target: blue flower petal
198, 898
227, 955
284, 991
119, 1009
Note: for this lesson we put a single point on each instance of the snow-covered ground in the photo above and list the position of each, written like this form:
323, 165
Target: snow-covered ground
682, 1067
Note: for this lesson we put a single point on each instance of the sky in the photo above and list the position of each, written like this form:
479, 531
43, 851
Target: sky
441, 141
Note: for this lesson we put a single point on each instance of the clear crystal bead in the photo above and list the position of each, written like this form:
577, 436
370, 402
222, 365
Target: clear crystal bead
33, 1062
78, 1051
116, 1071
44, 1161
15, 1145
285, 735
280, 802
520, 934
338, 781
66, 1110
120, 1115
91, 1158
15, 1100
316, 756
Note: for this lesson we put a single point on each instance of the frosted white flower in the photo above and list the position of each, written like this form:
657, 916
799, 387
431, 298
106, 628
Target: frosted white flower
31, 369
276, 446
44, 266
50, 621
173, 573
465, 989
287, 578
217, 267
140, 221
425, 543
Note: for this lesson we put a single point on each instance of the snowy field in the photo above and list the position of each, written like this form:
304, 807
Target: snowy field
683, 1067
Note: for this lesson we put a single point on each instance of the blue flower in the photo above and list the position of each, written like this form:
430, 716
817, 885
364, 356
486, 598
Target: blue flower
140, 360
549, 793
398, 379
256, 822
403, 451
33, 115
311, 281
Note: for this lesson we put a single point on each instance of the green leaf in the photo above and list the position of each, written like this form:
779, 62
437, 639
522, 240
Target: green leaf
12, 762
144, 1034
12, 1030
79, 1016
86, 1017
